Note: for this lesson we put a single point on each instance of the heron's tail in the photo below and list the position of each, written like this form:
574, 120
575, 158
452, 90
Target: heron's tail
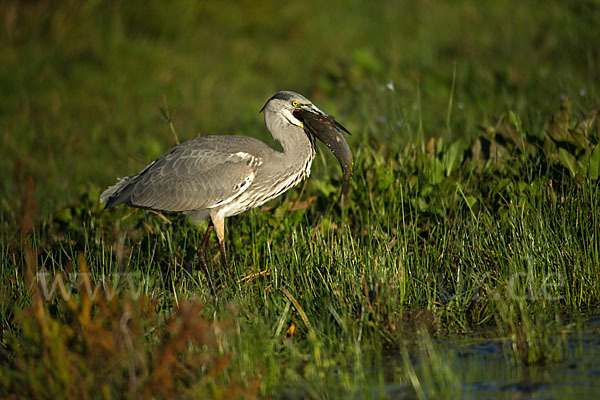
113, 196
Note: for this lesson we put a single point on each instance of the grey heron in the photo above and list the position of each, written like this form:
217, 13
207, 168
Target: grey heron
221, 176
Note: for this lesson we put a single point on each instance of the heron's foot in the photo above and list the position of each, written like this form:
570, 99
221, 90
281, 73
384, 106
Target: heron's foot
207, 273
214, 276
215, 281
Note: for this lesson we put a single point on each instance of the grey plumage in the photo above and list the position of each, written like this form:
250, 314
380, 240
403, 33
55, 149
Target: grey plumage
221, 176
199, 174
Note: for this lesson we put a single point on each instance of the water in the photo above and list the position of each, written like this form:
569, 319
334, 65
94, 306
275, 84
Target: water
484, 370
486, 373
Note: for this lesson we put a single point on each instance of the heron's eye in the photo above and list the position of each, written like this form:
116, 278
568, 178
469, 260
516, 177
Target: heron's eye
295, 103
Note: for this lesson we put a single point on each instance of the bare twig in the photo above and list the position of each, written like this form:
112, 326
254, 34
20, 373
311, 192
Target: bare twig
164, 112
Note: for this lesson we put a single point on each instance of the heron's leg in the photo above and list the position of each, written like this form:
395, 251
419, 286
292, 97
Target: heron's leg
202, 253
219, 223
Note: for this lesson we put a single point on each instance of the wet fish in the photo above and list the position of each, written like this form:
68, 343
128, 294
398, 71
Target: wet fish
329, 131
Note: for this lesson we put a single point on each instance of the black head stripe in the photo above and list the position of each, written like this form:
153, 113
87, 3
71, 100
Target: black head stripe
283, 95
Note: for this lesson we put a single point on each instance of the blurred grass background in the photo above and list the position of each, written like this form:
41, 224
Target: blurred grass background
81, 81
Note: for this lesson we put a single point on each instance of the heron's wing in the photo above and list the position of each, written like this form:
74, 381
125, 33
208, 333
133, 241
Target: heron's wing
192, 177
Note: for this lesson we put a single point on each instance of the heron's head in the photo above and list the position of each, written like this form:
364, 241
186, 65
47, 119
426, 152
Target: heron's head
282, 105
292, 108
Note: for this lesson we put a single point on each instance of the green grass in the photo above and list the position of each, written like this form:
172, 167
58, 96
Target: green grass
474, 201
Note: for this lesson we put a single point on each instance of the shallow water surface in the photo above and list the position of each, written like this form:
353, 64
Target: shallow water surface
484, 370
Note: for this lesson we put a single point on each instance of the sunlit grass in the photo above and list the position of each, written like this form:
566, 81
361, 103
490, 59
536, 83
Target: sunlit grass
322, 291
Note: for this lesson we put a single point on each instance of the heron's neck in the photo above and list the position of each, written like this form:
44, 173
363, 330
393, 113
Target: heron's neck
297, 145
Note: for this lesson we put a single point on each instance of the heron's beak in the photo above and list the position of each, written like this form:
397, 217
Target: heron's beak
325, 128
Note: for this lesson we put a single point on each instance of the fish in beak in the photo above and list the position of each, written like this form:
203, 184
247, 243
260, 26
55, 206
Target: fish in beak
325, 128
